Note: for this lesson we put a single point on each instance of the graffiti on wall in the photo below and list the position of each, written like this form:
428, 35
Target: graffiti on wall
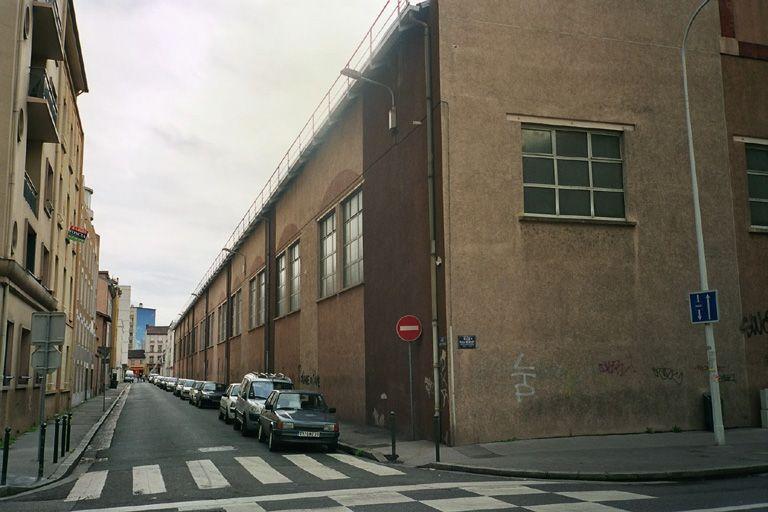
755, 324
669, 374
616, 367
523, 388
309, 379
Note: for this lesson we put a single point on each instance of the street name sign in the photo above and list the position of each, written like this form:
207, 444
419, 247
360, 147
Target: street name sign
408, 328
48, 328
704, 307
468, 341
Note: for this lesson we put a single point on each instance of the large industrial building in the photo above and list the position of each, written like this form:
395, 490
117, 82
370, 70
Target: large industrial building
523, 189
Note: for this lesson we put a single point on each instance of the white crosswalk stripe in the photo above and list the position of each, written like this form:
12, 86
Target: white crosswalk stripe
206, 475
262, 471
315, 468
148, 480
376, 469
88, 486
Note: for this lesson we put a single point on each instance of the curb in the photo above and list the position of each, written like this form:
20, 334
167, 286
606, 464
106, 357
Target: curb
642, 476
362, 452
70, 461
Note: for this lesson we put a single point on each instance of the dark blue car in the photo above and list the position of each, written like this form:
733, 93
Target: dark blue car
301, 417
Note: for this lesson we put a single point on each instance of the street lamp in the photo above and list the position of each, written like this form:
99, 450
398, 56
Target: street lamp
230, 251
709, 333
356, 75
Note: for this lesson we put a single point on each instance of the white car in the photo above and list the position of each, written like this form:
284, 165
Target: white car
254, 390
129, 376
227, 403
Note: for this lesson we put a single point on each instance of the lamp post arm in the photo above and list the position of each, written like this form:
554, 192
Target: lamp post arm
374, 82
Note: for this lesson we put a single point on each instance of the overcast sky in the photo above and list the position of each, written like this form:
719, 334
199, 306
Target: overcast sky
192, 104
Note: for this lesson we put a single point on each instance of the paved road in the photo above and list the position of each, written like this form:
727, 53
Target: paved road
159, 453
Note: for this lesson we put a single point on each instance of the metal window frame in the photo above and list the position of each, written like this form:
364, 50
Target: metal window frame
347, 243
589, 159
237, 312
752, 172
252, 292
261, 294
323, 257
281, 285
294, 276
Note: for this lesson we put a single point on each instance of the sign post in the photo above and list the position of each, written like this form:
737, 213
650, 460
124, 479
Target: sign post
408, 329
47, 333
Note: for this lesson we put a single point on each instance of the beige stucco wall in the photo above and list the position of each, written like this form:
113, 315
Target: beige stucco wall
583, 328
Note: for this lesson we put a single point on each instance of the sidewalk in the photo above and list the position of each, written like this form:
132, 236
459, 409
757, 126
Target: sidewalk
627, 457
22, 455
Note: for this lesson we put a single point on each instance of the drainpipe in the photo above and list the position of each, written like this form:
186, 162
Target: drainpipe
228, 329
434, 261
3, 335
12, 135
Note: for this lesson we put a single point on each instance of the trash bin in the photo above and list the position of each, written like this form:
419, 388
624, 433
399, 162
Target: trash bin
709, 423
113, 381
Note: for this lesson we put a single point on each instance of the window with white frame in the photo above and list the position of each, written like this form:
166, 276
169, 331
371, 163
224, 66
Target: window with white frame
261, 298
211, 332
294, 259
353, 239
572, 172
252, 304
223, 321
757, 178
327, 282
282, 286
237, 307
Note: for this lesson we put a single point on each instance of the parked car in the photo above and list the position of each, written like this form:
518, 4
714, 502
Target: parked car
179, 386
254, 391
170, 384
209, 393
186, 388
129, 376
194, 390
227, 402
292, 416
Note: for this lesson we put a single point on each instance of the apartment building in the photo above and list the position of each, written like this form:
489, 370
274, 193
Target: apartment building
141, 318
532, 206
122, 325
107, 299
156, 344
41, 187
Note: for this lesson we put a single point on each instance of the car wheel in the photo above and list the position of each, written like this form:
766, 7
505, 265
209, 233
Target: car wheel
332, 447
227, 419
273, 445
244, 426
221, 416
236, 423
262, 437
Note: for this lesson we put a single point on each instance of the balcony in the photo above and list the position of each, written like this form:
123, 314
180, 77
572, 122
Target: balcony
30, 193
47, 31
42, 106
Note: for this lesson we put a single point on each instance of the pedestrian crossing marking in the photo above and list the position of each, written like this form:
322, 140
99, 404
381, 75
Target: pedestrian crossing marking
376, 469
315, 468
511, 489
371, 498
583, 506
466, 504
206, 475
148, 480
88, 486
604, 495
244, 507
262, 471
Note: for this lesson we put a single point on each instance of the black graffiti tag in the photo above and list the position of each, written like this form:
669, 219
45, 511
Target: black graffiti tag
675, 376
755, 324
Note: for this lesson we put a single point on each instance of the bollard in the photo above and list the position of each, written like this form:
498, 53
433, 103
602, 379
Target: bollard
393, 432
63, 433
56, 422
6, 447
69, 429
41, 458
436, 423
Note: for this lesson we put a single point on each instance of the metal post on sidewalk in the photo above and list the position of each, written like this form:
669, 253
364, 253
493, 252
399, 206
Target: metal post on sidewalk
6, 447
393, 432
56, 422
436, 425
69, 429
63, 432
41, 452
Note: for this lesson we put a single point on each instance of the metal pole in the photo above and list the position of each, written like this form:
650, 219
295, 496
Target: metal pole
410, 390
6, 447
69, 428
63, 432
393, 432
436, 426
56, 422
709, 334
41, 417
41, 451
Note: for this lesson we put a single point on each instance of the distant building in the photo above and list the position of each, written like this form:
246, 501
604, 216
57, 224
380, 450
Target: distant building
156, 348
141, 317
122, 324
107, 311
136, 361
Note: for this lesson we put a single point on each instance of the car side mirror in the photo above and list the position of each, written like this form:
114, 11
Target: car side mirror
268, 407
331, 410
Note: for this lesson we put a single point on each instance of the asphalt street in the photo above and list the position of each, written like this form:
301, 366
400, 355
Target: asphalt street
159, 453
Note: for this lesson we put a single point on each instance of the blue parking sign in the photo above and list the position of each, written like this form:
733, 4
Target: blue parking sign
704, 307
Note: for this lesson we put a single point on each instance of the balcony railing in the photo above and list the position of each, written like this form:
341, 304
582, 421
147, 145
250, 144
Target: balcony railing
30, 193
56, 15
41, 86
47, 35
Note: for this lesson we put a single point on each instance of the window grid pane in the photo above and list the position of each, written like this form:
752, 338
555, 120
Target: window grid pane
757, 184
252, 303
353, 240
261, 298
295, 277
327, 255
578, 181
282, 297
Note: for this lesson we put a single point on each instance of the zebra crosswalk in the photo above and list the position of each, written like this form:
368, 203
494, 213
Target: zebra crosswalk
149, 480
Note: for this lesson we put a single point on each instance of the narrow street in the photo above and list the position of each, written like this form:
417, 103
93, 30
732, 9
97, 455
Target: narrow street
166, 455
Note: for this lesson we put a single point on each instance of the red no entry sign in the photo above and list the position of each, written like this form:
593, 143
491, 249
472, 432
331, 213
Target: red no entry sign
408, 328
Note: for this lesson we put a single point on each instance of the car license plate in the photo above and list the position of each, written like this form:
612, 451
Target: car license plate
304, 433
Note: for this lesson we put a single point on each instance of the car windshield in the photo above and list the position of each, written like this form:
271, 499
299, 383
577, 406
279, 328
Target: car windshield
235, 390
262, 388
303, 401
209, 386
